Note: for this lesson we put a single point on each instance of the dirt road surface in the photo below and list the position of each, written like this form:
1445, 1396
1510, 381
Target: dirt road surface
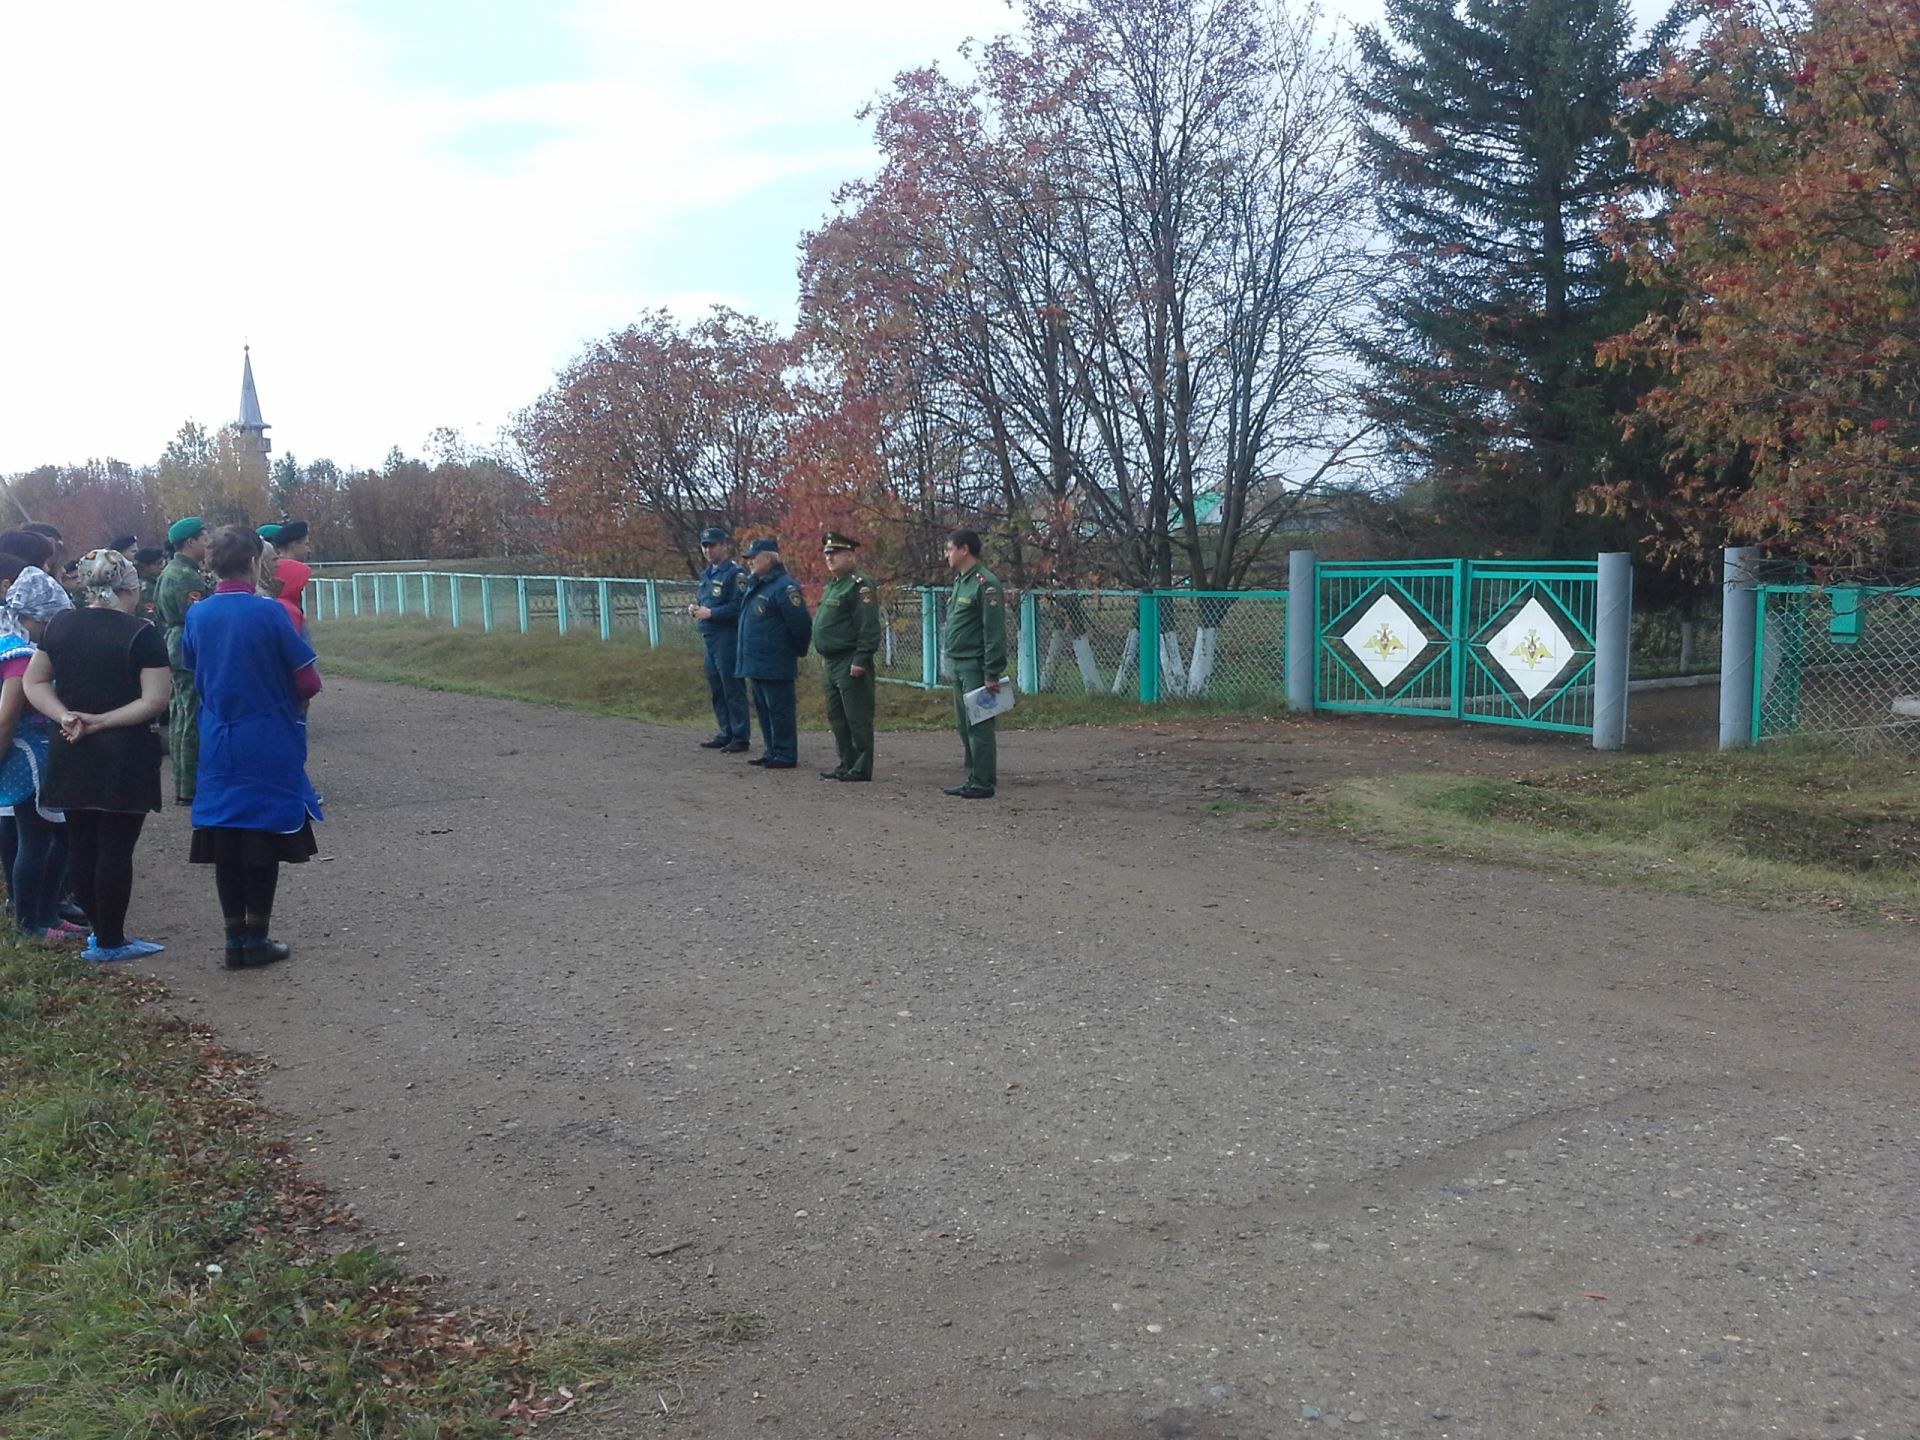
1083, 1114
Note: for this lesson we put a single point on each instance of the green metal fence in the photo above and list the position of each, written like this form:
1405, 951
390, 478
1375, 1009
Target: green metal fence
1838, 662
1228, 646
1498, 642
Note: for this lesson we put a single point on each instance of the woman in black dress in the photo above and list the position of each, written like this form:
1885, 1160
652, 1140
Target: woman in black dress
101, 675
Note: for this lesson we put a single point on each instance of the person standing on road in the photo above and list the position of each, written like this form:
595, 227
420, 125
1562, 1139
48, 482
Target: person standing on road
775, 631
180, 586
846, 633
976, 645
293, 572
718, 610
255, 807
101, 675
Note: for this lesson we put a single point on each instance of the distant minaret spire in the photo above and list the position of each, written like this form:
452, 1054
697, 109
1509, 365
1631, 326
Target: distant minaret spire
251, 422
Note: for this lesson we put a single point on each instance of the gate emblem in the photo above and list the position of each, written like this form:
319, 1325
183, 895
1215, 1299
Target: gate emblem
1386, 640
1531, 649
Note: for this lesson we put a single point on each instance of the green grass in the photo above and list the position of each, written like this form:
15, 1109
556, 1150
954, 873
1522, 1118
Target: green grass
165, 1271
624, 676
1801, 827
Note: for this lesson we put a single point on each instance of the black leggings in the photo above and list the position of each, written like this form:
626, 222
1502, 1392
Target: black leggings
100, 853
246, 897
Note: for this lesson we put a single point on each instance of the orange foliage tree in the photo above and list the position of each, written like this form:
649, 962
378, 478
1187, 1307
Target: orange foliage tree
1792, 158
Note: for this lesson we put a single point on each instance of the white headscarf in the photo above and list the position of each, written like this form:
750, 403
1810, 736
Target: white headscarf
34, 594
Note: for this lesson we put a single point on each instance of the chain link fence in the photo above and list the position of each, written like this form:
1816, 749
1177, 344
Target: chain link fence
1841, 663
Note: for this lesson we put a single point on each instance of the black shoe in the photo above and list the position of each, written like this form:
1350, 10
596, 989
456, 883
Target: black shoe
255, 953
857, 779
739, 747
759, 760
72, 914
833, 775
717, 743
954, 790
780, 764
972, 792
183, 800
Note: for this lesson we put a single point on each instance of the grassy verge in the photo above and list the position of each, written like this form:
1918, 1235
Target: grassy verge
624, 676
1797, 827
165, 1271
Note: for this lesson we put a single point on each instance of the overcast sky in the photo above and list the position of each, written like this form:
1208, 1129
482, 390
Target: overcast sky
413, 210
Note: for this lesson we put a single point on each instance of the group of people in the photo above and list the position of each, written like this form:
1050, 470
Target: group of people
87, 669
756, 627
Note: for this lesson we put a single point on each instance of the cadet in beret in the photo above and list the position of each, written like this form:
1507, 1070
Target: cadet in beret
180, 585
774, 633
718, 610
976, 644
846, 632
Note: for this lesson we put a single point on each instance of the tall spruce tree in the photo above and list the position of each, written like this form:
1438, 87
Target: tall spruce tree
1498, 129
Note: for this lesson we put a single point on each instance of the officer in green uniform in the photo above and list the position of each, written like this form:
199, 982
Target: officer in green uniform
976, 644
180, 585
846, 632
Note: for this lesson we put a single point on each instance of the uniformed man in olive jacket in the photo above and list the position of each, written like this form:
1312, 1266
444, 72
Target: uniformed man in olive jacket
775, 631
846, 633
976, 645
180, 586
718, 610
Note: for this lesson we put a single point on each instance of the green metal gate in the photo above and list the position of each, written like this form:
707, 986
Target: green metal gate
1502, 642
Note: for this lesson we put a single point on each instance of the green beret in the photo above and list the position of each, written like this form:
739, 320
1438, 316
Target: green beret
182, 531
269, 533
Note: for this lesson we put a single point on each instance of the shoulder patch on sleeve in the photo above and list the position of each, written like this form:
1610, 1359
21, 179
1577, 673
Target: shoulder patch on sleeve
795, 596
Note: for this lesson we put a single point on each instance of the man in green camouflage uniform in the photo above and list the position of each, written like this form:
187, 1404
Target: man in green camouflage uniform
179, 586
976, 645
846, 632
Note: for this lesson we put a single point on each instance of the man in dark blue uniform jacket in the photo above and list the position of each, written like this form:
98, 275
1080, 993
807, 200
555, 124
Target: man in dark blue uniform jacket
775, 631
718, 610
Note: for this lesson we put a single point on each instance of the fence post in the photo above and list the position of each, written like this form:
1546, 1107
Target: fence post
653, 614
1739, 580
929, 640
1612, 640
601, 597
1462, 606
426, 594
486, 603
453, 599
560, 602
1027, 662
1149, 657
356, 594
1303, 605
521, 584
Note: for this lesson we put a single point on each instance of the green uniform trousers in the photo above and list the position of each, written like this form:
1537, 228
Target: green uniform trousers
983, 751
183, 734
850, 715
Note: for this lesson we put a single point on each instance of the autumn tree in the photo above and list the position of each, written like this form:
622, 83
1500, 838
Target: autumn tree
1109, 278
217, 475
1789, 385
1498, 131
657, 432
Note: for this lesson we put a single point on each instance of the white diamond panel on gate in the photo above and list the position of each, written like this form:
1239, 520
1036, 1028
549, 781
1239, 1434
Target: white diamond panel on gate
1531, 649
1386, 640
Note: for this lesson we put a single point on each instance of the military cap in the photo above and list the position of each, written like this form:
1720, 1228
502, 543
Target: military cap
833, 540
765, 545
123, 543
182, 531
292, 531
716, 535
269, 533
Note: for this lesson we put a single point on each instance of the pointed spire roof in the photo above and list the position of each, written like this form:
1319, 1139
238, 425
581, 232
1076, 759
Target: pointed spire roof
250, 418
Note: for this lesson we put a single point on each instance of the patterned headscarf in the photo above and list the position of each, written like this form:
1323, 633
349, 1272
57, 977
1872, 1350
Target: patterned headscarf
105, 571
34, 594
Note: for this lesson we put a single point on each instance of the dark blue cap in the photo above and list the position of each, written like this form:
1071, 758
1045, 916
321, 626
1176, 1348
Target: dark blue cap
716, 535
765, 545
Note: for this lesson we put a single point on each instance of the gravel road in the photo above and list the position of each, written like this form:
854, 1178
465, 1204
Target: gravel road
1083, 1114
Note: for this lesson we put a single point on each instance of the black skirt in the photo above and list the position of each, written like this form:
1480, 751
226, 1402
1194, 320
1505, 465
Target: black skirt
223, 844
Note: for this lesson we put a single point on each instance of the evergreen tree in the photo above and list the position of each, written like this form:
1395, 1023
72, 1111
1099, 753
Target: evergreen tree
1498, 130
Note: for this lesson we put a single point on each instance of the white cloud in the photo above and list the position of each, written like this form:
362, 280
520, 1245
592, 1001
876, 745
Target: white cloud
401, 252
